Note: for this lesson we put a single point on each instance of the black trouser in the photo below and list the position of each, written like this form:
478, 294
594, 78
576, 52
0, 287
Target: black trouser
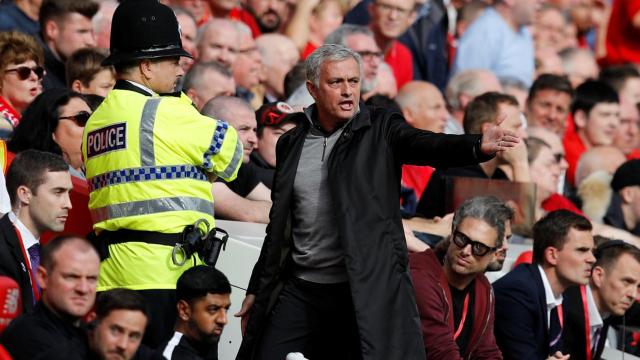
162, 314
317, 320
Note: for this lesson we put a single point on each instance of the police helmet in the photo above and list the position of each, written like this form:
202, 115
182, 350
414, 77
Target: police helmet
144, 29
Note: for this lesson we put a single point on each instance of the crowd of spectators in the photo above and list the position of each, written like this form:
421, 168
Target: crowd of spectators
562, 75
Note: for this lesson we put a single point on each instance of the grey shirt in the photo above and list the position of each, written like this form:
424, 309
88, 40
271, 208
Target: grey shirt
317, 252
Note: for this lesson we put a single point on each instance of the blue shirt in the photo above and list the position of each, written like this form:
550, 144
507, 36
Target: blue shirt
489, 43
12, 18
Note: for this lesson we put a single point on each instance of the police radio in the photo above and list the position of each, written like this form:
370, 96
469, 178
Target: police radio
200, 239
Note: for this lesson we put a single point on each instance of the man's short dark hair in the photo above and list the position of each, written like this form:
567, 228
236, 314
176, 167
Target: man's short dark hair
84, 64
29, 168
57, 9
119, 299
550, 82
484, 109
608, 253
617, 76
199, 281
49, 251
591, 93
552, 230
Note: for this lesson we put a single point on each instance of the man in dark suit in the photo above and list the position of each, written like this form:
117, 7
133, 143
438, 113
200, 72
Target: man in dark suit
592, 308
38, 184
529, 298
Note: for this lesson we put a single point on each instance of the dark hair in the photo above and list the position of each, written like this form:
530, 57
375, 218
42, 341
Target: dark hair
295, 78
29, 168
486, 208
484, 109
199, 281
591, 93
51, 248
84, 64
119, 299
40, 120
617, 76
57, 9
552, 230
608, 253
550, 82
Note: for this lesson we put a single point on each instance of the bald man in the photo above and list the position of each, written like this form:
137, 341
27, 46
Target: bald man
423, 106
462, 89
218, 41
279, 55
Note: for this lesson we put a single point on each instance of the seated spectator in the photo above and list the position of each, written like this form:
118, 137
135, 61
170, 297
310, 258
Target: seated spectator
54, 123
528, 325
68, 276
20, 15
500, 255
311, 22
624, 209
464, 87
360, 39
548, 61
86, 75
203, 295
247, 69
517, 89
39, 185
279, 54
549, 103
21, 60
386, 83
625, 80
579, 65
498, 40
272, 123
270, 16
596, 116
555, 143
454, 298
423, 107
246, 198
198, 9
591, 309
483, 111
218, 41
188, 34
548, 28
389, 20
65, 27
207, 80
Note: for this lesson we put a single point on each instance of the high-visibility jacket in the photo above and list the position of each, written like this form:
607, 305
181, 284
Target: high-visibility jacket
147, 163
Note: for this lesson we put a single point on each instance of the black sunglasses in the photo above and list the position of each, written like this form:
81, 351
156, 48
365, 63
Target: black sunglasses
477, 248
24, 72
79, 118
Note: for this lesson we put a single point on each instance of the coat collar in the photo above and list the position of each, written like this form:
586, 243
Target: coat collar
359, 121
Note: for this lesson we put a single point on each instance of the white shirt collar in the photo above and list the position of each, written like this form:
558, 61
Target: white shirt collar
142, 87
595, 319
548, 291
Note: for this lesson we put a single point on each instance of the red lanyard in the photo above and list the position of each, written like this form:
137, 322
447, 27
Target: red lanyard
34, 284
465, 308
560, 317
587, 324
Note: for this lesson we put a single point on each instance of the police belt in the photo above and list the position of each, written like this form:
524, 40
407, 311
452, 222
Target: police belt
106, 238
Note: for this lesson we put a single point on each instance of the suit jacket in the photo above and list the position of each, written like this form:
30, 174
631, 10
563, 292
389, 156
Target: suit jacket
12, 262
574, 336
521, 328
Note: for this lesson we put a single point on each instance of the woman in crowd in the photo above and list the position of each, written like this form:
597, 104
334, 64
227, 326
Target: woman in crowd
21, 60
54, 122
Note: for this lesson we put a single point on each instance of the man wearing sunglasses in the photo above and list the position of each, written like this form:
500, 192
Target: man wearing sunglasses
454, 297
528, 324
149, 161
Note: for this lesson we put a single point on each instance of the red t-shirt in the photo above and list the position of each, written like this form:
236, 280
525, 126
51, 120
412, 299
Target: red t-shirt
401, 62
622, 38
416, 177
311, 47
246, 17
634, 154
573, 148
559, 202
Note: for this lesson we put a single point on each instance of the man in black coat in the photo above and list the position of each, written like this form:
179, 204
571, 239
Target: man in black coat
335, 257
592, 308
38, 184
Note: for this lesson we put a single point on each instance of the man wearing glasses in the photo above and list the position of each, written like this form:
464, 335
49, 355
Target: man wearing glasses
454, 297
529, 323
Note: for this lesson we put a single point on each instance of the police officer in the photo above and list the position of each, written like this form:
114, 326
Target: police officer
149, 161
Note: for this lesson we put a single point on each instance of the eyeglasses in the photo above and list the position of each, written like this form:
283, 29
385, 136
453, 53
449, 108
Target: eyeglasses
389, 8
477, 248
24, 72
369, 55
79, 118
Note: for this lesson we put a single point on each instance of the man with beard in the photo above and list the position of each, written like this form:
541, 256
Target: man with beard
500, 255
454, 297
269, 14
203, 295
